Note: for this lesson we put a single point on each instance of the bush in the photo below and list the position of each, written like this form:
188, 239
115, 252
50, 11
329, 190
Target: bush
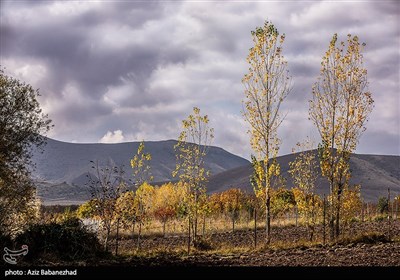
365, 238
383, 205
69, 240
370, 238
203, 244
5, 241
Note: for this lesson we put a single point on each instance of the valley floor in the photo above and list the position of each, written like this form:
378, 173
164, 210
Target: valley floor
362, 245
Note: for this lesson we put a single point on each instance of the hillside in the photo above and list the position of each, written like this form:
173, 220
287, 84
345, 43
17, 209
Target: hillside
62, 167
375, 173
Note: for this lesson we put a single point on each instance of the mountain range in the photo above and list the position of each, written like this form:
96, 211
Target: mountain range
375, 174
62, 168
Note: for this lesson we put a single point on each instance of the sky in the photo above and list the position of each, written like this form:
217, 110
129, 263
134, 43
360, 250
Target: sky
120, 71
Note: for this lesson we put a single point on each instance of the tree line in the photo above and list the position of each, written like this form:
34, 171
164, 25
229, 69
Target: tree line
339, 107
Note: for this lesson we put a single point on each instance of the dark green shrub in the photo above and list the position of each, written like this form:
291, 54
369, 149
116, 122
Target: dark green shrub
69, 240
383, 205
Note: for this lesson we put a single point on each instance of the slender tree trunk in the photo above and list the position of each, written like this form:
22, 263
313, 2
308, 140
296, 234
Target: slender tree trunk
267, 199
188, 244
311, 232
311, 220
323, 222
195, 216
255, 227
268, 218
332, 180
106, 239
106, 243
233, 224
192, 230
195, 227
139, 233
204, 225
331, 220
389, 215
133, 230
116, 238
164, 222
337, 224
362, 212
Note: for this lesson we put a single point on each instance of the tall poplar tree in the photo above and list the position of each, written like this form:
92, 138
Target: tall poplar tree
339, 108
267, 84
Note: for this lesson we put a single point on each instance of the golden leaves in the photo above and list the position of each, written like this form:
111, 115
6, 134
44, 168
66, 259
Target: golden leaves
191, 149
266, 86
140, 166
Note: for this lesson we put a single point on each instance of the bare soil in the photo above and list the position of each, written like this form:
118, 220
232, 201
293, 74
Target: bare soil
289, 247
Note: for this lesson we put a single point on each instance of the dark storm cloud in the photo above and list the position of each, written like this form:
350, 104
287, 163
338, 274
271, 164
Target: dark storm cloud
126, 70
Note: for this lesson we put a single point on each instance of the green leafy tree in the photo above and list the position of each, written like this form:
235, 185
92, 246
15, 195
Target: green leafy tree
22, 126
339, 108
282, 200
383, 205
87, 210
266, 86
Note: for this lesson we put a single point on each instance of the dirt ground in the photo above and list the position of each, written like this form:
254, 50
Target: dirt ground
287, 249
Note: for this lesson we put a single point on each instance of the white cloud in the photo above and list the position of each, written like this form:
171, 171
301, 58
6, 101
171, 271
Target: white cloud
113, 137
139, 67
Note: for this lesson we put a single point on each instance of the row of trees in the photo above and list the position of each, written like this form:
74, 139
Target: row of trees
133, 210
112, 200
339, 108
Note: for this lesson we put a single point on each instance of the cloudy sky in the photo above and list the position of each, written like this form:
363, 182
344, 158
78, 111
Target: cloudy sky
117, 71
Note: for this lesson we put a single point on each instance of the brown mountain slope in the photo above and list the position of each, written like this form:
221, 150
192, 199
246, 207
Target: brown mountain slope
375, 173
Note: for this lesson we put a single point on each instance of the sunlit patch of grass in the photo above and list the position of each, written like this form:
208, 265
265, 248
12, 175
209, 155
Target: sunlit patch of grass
396, 239
156, 252
365, 238
285, 245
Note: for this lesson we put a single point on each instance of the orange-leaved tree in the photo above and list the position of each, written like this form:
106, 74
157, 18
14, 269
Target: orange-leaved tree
232, 201
166, 203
